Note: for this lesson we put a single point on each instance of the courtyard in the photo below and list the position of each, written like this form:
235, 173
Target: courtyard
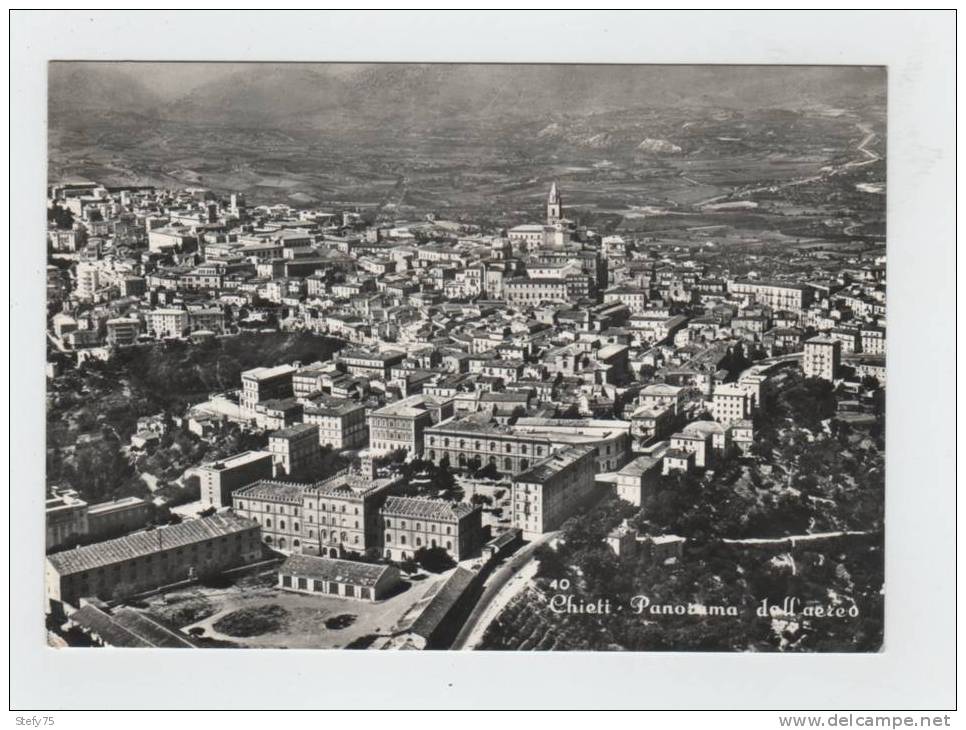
253, 612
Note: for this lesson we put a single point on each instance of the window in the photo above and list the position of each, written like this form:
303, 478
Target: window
287, 581
388, 524
241, 505
449, 545
402, 539
418, 542
303, 584
295, 543
281, 525
268, 522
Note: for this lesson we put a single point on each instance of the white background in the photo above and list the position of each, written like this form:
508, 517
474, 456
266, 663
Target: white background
916, 669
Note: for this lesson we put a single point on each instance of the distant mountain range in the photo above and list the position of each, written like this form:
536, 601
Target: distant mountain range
411, 96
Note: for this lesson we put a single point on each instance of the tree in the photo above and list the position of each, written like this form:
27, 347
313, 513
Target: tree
434, 559
549, 563
62, 217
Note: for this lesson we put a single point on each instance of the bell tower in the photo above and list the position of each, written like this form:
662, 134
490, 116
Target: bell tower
554, 206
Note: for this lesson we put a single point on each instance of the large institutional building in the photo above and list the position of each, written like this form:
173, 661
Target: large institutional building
147, 560
545, 495
410, 524
776, 294
400, 425
352, 513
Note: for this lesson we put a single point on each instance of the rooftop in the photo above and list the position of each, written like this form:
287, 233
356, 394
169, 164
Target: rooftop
273, 490
245, 457
429, 509
545, 469
294, 431
142, 544
332, 569
268, 373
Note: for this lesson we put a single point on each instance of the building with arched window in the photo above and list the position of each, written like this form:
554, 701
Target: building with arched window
552, 490
409, 524
475, 441
337, 516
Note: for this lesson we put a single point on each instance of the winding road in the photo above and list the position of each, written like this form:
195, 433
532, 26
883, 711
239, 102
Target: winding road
498, 590
870, 156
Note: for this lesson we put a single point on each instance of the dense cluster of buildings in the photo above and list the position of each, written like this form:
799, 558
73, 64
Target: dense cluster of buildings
545, 354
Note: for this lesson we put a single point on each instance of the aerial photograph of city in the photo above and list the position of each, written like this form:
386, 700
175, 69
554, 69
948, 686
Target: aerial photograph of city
490, 357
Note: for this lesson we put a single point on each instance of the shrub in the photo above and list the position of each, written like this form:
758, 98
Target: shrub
252, 621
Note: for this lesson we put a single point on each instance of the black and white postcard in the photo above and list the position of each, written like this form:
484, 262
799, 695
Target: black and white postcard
431, 356
569, 365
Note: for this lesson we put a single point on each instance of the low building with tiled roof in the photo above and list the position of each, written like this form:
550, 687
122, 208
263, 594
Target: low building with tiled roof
147, 560
410, 524
332, 577
126, 628
434, 621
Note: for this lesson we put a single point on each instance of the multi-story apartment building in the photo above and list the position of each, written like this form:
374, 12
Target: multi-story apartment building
650, 422
848, 336
662, 394
873, 340
220, 479
549, 492
162, 240
123, 330
821, 358
534, 291
400, 425
88, 280
117, 516
296, 450
341, 423
167, 322
308, 380
147, 560
410, 524
370, 364
261, 384
776, 294
634, 298
210, 319
66, 517
730, 403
